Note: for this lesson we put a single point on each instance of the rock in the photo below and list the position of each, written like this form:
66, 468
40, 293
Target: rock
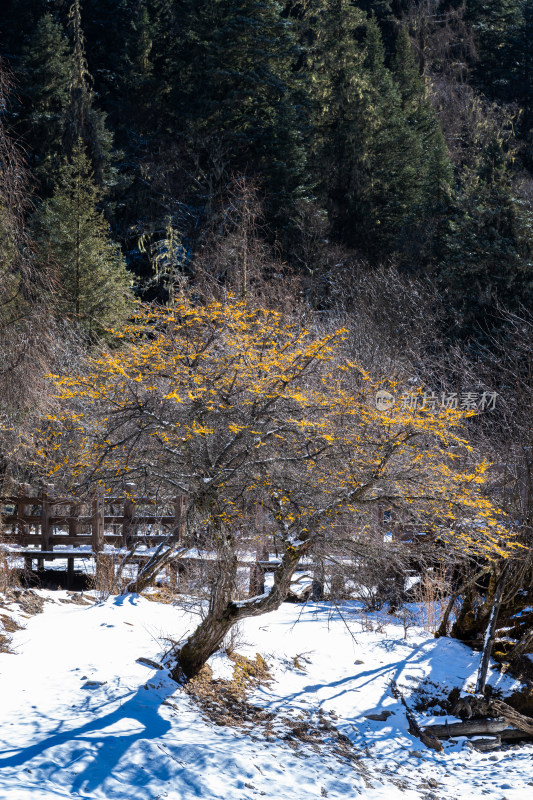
93, 684
487, 744
381, 717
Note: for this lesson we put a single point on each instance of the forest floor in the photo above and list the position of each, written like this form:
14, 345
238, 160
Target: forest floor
283, 716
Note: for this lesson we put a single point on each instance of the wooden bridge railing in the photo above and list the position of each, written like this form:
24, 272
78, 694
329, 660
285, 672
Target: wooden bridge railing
44, 520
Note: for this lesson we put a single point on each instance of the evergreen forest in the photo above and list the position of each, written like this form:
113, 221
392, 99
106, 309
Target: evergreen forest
395, 132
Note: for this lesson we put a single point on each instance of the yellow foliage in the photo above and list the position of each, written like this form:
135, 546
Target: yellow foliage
225, 402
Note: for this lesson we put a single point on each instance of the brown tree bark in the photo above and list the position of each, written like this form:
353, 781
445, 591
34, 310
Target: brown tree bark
224, 613
489, 635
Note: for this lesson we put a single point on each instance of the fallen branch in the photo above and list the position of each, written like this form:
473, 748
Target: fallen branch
514, 718
525, 645
490, 632
414, 728
471, 727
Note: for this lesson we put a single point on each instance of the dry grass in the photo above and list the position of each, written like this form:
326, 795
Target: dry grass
105, 580
9, 576
9, 624
432, 592
163, 594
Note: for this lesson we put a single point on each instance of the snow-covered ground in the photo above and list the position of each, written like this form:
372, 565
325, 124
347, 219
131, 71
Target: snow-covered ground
81, 717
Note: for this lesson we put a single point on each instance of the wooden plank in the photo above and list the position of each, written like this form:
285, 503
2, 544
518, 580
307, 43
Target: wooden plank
35, 539
140, 501
73, 520
109, 519
257, 580
27, 519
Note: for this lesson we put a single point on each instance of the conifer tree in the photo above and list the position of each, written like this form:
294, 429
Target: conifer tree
366, 157
488, 247
496, 25
82, 120
137, 75
71, 232
337, 86
233, 96
46, 68
432, 166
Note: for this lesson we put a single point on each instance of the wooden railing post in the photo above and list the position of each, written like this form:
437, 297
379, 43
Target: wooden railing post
257, 580
73, 520
22, 507
73, 531
317, 590
129, 513
97, 522
74, 515
47, 495
180, 516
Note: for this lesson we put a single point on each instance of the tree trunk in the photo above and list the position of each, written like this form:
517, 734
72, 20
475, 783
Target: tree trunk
223, 613
489, 635
147, 574
443, 627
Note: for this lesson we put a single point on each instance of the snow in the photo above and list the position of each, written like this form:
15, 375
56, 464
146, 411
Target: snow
136, 735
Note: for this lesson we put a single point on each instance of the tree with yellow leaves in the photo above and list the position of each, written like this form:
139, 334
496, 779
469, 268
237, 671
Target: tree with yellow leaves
234, 406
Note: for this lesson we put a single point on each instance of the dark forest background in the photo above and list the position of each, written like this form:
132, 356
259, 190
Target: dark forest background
393, 132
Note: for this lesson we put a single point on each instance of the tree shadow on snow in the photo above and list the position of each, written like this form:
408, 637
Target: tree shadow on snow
102, 750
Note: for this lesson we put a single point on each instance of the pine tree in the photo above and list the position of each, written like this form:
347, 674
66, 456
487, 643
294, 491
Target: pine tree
338, 88
46, 68
367, 157
496, 25
232, 95
82, 120
523, 83
71, 232
422, 239
488, 247
137, 74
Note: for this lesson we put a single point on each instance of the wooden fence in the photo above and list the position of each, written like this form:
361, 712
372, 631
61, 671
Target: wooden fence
43, 520
43, 526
